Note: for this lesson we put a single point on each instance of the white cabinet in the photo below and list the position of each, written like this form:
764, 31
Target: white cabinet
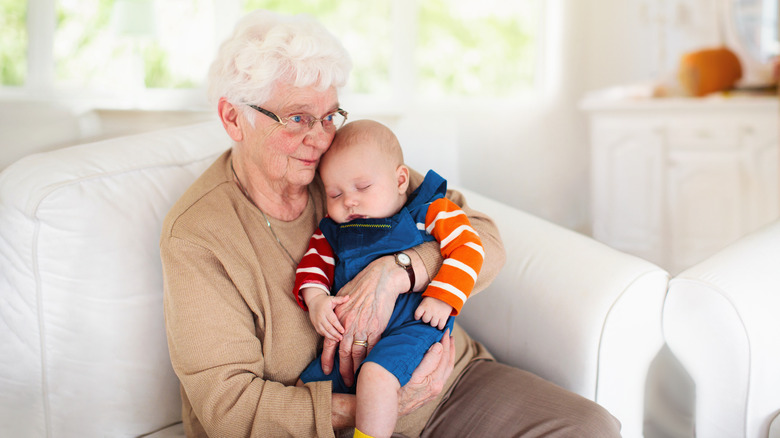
674, 180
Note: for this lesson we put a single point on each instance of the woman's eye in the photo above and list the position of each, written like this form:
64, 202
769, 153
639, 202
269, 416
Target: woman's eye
296, 118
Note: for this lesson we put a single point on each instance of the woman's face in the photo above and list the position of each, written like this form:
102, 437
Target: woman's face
284, 158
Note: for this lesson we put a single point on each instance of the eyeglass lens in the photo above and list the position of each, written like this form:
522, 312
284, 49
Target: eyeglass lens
306, 121
301, 122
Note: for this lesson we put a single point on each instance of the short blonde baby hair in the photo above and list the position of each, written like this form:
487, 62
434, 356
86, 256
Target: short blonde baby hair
369, 132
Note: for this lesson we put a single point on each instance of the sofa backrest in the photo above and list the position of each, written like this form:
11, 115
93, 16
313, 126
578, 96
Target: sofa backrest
81, 324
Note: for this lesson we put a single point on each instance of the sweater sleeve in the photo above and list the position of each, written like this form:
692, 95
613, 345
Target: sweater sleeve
462, 250
316, 268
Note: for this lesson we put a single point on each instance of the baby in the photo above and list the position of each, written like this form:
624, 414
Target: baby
369, 216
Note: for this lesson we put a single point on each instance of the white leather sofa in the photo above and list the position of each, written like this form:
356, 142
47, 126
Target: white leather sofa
721, 320
81, 324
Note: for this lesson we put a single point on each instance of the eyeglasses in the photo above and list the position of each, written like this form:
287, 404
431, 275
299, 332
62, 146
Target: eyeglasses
299, 123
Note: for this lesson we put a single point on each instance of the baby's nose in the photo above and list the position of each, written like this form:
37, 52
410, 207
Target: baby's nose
351, 200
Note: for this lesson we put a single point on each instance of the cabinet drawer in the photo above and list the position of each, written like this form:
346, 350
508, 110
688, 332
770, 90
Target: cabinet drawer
704, 136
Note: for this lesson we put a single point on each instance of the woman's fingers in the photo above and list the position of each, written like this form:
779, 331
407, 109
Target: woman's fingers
328, 354
448, 342
429, 377
346, 367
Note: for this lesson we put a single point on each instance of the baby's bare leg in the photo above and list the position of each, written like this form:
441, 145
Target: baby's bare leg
377, 401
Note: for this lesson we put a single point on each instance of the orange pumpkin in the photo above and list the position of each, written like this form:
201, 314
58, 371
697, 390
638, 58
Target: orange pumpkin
710, 70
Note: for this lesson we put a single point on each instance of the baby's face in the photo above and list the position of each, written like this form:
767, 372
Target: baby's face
360, 183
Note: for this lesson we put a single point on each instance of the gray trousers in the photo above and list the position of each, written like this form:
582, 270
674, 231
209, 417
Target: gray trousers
496, 400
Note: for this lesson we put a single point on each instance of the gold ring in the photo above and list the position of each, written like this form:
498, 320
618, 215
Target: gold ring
361, 343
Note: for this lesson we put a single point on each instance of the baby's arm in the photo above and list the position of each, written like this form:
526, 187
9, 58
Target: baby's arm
323, 318
433, 311
462, 250
316, 268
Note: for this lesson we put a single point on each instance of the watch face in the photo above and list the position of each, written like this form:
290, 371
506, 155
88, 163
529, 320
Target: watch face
404, 259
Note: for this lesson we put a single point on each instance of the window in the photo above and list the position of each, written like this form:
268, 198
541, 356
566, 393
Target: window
431, 48
142, 53
13, 42
467, 48
403, 50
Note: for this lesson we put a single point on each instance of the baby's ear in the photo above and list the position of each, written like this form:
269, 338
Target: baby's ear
402, 174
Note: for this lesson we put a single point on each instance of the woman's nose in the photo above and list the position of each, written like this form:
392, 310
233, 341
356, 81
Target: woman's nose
318, 137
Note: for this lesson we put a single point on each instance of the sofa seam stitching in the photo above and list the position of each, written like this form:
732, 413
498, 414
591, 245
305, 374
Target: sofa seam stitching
609, 312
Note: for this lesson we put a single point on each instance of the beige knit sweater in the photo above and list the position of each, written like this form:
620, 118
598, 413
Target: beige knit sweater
238, 341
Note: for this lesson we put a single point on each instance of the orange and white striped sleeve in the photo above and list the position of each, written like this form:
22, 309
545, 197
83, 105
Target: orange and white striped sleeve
462, 250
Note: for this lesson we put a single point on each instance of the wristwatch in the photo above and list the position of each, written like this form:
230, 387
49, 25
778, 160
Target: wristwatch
403, 260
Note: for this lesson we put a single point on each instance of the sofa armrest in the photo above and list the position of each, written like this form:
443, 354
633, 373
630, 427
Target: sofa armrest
571, 310
721, 321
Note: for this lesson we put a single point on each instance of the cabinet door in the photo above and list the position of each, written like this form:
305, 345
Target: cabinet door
722, 183
706, 206
763, 180
627, 196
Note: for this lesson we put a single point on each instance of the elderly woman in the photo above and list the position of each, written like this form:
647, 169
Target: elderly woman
238, 341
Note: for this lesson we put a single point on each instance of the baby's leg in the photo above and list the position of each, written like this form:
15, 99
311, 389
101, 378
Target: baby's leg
377, 401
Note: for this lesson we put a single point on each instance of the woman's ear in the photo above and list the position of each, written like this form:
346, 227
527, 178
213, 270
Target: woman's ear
402, 173
228, 115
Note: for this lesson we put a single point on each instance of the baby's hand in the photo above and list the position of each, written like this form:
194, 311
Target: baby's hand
322, 316
433, 311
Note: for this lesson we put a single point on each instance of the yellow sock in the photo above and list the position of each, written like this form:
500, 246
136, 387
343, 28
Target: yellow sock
359, 434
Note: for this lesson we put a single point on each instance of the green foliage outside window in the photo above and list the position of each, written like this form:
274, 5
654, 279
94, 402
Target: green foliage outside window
158, 72
488, 54
463, 53
81, 48
85, 40
13, 42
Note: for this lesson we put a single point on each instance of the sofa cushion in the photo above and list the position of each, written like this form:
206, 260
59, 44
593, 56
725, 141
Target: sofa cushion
81, 322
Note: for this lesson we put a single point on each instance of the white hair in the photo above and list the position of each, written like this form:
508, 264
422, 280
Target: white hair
267, 48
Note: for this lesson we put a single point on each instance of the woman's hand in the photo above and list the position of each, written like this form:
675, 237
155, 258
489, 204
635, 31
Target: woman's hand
429, 377
372, 294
